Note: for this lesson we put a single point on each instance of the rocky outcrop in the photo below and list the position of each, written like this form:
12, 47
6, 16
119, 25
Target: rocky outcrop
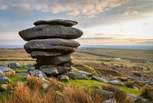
51, 44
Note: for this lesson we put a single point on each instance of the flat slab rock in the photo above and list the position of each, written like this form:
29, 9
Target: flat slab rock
52, 42
48, 31
52, 45
56, 22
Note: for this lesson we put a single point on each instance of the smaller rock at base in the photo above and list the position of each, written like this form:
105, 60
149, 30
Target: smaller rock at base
49, 70
64, 78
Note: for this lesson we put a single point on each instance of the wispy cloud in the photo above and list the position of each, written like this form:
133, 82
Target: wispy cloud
117, 41
70, 7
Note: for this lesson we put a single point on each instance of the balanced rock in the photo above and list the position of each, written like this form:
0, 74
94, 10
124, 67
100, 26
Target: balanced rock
68, 23
50, 43
50, 31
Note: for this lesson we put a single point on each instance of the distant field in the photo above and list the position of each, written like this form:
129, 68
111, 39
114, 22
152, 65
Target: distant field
94, 56
137, 55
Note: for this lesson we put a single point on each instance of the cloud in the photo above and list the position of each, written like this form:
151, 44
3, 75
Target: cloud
130, 13
117, 41
70, 7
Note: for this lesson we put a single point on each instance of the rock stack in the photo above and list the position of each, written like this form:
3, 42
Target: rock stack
51, 44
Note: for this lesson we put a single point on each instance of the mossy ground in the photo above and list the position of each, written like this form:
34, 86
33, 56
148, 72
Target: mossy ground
92, 84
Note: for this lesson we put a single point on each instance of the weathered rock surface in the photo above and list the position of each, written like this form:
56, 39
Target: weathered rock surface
54, 60
35, 54
56, 22
47, 31
52, 42
62, 49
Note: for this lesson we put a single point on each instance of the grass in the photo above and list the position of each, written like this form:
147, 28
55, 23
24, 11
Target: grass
129, 90
17, 79
92, 84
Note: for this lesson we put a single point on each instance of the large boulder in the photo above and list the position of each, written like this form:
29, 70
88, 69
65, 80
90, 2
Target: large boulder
68, 23
47, 31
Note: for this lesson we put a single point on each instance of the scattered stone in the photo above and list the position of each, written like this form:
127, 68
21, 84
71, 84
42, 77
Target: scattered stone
147, 92
56, 22
4, 87
13, 65
30, 65
77, 75
99, 79
3, 79
116, 82
106, 95
63, 78
37, 73
47, 31
136, 73
45, 86
6, 71
137, 99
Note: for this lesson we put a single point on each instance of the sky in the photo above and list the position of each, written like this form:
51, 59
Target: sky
102, 21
